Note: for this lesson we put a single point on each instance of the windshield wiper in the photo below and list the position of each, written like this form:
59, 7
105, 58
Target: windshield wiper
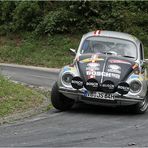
107, 53
110, 53
127, 56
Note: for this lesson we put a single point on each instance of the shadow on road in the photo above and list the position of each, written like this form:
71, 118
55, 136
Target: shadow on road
100, 110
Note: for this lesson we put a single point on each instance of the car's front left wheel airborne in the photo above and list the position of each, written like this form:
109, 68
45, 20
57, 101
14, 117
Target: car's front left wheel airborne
59, 101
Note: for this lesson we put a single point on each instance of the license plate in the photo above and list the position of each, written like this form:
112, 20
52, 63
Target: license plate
99, 95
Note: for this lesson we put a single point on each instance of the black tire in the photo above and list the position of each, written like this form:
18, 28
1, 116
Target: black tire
140, 108
59, 101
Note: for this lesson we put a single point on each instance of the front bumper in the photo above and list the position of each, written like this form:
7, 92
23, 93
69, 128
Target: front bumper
78, 95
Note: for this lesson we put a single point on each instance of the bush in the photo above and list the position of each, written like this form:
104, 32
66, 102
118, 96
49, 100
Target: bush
54, 22
26, 15
51, 17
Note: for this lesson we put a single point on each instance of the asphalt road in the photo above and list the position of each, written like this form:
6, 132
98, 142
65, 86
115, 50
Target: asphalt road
36, 76
83, 125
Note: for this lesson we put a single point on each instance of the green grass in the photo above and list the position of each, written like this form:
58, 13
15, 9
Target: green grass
47, 94
49, 51
52, 51
15, 98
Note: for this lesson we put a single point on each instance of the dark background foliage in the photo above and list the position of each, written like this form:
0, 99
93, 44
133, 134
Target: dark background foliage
60, 17
53, 17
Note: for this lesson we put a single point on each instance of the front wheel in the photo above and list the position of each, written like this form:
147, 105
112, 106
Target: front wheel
59, 101
141, 107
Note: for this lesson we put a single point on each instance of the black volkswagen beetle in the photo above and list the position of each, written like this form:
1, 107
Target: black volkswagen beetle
109, 69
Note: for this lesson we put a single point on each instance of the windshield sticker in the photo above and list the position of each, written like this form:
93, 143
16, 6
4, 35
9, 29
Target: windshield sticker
119, 61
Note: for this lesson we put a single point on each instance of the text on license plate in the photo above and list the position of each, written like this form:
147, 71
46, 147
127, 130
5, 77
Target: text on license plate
100, 95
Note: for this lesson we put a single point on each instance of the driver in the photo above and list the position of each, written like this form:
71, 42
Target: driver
98, 48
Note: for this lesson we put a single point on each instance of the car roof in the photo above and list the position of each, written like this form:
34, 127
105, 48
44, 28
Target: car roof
112, 34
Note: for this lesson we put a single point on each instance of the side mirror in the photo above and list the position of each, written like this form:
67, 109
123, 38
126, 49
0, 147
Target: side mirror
73, 51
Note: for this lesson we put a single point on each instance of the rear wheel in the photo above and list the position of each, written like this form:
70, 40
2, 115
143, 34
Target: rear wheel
141, 107
59, 101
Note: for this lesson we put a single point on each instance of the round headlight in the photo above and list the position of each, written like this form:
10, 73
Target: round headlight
67, 78
135, 86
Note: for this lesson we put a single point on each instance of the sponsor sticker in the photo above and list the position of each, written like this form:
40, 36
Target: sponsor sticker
123, 88
134, 76
92, 84
108, 86
90, 60
113, 66
77, 82
105, 74
119, 61
93, 64
92, 67
114, 69
68, 68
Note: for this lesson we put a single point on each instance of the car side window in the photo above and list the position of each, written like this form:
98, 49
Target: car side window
141, 52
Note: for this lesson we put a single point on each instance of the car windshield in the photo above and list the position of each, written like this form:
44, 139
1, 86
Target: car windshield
112, 46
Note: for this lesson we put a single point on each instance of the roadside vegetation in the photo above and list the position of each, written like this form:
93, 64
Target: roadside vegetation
41, 32
15, 98
51, 51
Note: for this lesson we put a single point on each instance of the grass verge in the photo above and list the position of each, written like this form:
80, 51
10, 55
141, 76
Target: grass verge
16, 98
51, 51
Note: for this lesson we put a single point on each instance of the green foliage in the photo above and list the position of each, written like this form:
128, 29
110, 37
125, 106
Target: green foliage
54, 22
50, 51
56, 17
6, 11
52, 17
26, 15
18, 16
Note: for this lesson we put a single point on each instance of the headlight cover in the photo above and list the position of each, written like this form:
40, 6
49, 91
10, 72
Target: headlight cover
135, 86
66, 79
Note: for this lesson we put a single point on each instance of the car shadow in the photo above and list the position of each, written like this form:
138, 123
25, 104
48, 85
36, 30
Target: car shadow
101, 110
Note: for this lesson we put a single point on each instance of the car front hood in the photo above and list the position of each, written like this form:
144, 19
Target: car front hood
104, 67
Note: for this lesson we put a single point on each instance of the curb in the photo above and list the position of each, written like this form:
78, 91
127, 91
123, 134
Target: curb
56, 70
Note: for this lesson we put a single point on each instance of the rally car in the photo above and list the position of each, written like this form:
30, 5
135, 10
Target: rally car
109, 69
